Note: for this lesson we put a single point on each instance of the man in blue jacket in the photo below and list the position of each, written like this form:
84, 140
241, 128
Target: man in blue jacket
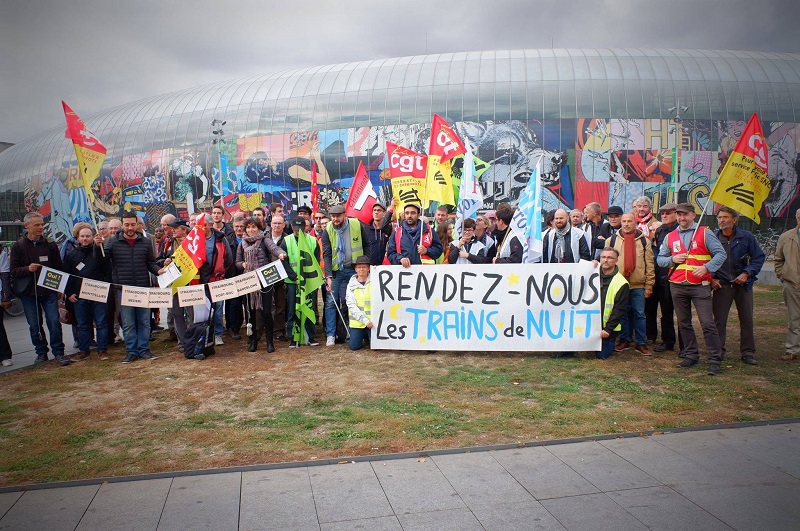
413, 242
733, 282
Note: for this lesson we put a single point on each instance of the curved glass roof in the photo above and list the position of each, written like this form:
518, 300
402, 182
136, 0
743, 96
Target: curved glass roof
544, 84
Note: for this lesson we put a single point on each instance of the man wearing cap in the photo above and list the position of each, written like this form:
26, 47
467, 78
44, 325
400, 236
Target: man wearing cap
413, 242
344, 240
661, 292
694, 255
379, 231
787, 269
304, 212
733, 282
614, 223
180, 315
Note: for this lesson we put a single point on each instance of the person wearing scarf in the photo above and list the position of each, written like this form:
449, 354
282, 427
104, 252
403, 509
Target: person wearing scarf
638, 268
645, 222
256, 251
413, 242
564, 243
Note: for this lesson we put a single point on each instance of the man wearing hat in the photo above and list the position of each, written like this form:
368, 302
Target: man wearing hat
661, 292
614, 223
344, 240
304, 212
379, 231
413, 242
180, 315
693, 255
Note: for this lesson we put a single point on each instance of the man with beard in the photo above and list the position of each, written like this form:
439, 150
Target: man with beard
260, 217
132, 261
344, 240
733, 282
564, 243
379, 231
413, 242
661, 292
509, 248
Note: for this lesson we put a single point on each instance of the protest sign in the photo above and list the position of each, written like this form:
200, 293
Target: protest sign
222, 290
160, 297
247, 283
500, 307
134, 296
94, 290
191, 295
53, 279
271, 273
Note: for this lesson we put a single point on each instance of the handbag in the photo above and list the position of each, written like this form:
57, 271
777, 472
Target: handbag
64, 315
21, 286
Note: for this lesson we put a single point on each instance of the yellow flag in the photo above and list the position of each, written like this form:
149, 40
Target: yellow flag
88, 150
439, 181
408, 190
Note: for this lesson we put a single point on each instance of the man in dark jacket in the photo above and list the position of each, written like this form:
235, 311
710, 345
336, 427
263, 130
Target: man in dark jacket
28, 255
733, 282
87, 262
234, 308
413, 242
218, 260
379, 231
661, 292
614, 290
132, 261
509, 248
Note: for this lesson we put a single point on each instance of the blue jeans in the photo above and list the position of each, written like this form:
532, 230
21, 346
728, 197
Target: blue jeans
357, 337
219, 313
291, 314
607, 349
636, 316
48, 307
135, 328
339, 291
85, 312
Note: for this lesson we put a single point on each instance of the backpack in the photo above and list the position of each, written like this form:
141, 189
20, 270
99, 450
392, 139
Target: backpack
199, 339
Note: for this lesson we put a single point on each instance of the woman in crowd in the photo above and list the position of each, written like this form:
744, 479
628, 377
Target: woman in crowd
445, 233
84, 262
358, 304
256, 251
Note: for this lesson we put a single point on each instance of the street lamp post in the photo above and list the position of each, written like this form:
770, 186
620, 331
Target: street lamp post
219, 141
675, 129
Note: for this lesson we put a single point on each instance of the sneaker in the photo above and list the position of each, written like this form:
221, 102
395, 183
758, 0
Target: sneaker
7, 363
622, 345
218, 341
313, 343
80, 356
687, 362
148, 356
130, 358
103, 355
294, 344
63, 360
643, 350
331, 341
40, 359
713, 370
663, 347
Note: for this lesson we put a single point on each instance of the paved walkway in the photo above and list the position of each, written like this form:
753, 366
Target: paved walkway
743, 478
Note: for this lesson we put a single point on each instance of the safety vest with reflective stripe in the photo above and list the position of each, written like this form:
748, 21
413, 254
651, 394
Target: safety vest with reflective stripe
293, 253
617, 281
356, 245
361, 294
699, 255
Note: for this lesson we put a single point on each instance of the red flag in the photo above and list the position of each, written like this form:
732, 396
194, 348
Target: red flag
404, 162
444, 140
362, 196
88, 149
314, 188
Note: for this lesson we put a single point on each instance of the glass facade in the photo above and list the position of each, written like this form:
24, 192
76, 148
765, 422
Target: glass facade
606, 119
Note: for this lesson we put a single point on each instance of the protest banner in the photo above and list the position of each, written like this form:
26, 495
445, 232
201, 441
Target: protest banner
247, 283
53, 279
191, 295
271, 273
499, 307
94, 290
134, 296
222, 290
160, 297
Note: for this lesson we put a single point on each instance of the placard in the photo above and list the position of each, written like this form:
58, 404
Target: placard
247, 283
94, 290
482, 307
160, 298
134, 296
171, 274
191, 295
223, 290
271, 273
53, 279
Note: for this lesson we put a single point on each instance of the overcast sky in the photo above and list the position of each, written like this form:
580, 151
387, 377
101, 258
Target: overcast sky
98, 54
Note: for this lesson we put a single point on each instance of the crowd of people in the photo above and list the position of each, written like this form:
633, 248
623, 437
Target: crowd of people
652, 273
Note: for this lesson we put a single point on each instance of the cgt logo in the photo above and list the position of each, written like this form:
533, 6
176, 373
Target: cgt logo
756, 143
407, 164
444, 141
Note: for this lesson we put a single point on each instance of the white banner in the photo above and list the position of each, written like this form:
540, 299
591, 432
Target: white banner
247, 283
53, 279
271, 273
223, 290
159, 298
500, 307
94, 290
137, 297
191, 295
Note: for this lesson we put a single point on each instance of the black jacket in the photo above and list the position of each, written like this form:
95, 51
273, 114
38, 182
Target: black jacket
233, 245
131, 265
207, 268
377, 240
620, 301
93, 268
25, 252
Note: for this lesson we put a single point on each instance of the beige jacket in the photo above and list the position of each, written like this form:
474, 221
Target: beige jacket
787, 258
644, 275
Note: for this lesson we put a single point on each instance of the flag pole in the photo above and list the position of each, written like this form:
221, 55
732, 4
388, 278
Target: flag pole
93, 215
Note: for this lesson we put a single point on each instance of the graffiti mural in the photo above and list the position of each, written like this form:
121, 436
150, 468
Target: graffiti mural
611, 161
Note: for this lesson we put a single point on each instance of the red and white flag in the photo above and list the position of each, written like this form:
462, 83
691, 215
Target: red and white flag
362, 197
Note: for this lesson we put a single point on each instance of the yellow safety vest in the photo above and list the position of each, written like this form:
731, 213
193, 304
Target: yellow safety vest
616, 283
356, 245
361, 293
293, 253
